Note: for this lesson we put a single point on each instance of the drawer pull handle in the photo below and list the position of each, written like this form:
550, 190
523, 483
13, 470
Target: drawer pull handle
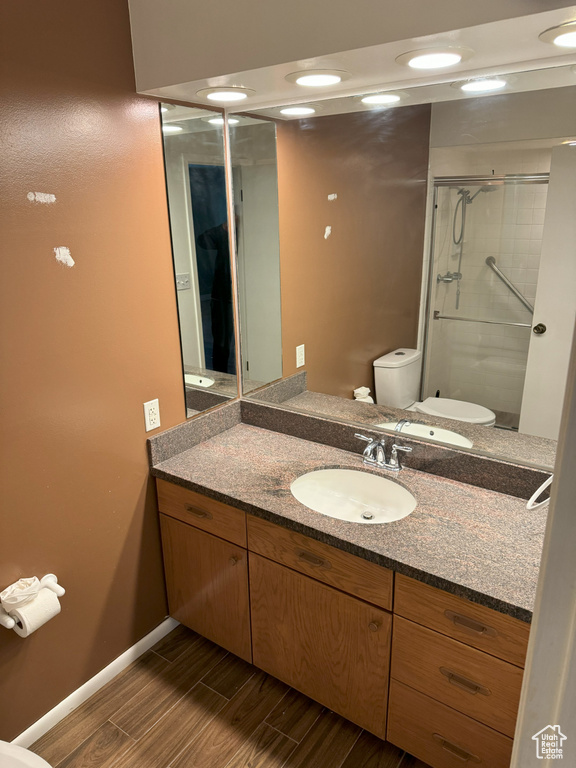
470, 624
314, 560
199, 512
374, 626
234, 560
462, 682
454, 749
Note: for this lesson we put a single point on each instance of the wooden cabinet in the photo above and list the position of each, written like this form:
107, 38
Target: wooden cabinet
474, 683
499, 635
202, 512
454, 692
441, 736
207, 584
318, 618
339, 569
327, 644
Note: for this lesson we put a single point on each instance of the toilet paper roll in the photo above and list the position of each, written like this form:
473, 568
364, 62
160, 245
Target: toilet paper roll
37, 612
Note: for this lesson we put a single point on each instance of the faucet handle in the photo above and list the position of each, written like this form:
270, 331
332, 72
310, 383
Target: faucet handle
394, 463
372, 442
370, 450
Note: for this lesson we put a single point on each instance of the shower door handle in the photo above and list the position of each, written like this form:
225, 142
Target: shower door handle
539, 329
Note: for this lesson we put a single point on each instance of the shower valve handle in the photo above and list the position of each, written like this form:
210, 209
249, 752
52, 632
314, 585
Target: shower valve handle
539, 329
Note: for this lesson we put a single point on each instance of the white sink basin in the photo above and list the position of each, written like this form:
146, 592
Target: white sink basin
358, 497
432, 433
198, 381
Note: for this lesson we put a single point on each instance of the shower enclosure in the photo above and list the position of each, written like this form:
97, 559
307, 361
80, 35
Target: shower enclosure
485, 256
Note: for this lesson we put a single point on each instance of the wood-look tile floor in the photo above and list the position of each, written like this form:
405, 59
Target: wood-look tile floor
187, 703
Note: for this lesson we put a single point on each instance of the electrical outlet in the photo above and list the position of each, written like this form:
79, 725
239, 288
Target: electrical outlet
152, 415
300, 357
183, 281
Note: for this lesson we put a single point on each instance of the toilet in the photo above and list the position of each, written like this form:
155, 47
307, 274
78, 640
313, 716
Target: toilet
12, 756
397, 384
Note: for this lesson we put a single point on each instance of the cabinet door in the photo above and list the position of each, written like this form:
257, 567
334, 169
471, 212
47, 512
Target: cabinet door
332, 647
207, 583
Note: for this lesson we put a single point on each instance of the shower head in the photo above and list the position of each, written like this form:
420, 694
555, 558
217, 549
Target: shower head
485, 188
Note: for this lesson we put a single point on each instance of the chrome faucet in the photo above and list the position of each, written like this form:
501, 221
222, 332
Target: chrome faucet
375, 453
401, 424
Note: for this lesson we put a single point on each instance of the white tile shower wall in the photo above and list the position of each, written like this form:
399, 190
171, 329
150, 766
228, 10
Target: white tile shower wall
485, 363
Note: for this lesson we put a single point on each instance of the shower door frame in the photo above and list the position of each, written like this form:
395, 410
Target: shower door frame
458, 181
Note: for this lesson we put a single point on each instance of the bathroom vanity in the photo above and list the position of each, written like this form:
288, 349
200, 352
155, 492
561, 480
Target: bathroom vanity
415, 630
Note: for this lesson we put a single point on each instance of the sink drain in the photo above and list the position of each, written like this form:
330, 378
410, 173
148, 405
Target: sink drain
367, 516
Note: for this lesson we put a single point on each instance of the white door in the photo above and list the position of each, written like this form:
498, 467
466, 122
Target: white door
555, 303
259, 272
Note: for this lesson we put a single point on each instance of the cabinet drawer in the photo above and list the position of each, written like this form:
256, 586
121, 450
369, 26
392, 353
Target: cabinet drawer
339, 569
328, 645
476, 625
464, 678
441, 737
202, 512
207, 585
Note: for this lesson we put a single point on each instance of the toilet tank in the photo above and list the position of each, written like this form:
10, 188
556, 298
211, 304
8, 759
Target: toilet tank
397, 378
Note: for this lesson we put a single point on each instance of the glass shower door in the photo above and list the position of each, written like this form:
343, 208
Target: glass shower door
487, 238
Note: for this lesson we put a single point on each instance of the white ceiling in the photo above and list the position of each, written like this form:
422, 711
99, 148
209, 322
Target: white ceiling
502, 47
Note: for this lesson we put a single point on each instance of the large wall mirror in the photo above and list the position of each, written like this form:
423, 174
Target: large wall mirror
194, 157
440, 223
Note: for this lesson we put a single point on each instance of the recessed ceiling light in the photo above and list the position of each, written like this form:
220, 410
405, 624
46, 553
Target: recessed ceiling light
297, 111
381, 98
163, 109
434, 58
564, 36
225, 94
172, 128
317, 81
220, 121
482, 86
318, 78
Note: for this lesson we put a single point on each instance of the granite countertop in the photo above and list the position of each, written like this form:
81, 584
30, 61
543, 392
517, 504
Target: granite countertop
528, 449
475, 543
224, 383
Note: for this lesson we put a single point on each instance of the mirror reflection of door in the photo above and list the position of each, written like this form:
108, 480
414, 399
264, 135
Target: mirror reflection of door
255, 183
195, 182
208, 198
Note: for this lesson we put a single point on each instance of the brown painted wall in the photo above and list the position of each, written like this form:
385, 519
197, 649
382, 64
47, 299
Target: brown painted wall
355, 295
81, 348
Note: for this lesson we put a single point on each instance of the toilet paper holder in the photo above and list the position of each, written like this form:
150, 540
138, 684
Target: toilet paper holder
50, 581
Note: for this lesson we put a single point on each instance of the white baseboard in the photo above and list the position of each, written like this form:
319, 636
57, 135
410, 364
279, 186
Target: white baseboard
79, 696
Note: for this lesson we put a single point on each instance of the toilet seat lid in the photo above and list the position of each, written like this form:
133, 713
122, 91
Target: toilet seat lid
13, 756
459, 410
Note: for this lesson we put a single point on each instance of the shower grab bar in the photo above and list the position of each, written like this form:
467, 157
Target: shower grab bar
491, 261
438, 316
